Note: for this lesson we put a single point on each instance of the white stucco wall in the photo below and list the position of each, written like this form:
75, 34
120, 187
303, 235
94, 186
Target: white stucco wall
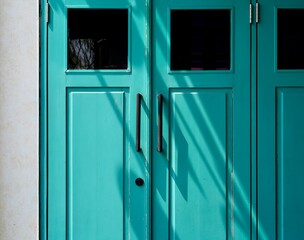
19, 119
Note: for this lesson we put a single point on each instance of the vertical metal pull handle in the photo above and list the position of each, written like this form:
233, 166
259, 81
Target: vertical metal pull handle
160, 123
138, 107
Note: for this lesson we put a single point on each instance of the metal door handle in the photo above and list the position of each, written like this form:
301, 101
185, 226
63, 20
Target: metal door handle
138, 107
160, 123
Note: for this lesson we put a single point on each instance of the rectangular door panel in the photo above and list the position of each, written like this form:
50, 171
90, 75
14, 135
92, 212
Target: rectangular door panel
96, 155
290, 178
200, 163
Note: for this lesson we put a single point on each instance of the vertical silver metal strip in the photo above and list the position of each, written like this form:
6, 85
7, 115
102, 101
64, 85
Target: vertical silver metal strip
257, 17
47, 10
250, 13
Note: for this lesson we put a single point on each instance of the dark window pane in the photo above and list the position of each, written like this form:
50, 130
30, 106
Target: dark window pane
98, 38
290, 39
200, 39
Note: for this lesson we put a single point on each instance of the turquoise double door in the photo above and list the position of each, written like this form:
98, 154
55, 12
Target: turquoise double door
174, 119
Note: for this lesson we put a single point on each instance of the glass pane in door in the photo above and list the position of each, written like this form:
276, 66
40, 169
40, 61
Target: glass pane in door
97, 39
290, 38
200, 40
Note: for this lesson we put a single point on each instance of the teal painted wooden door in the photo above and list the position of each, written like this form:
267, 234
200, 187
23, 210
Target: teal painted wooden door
210, 147
92, 89
280, 119
201, 176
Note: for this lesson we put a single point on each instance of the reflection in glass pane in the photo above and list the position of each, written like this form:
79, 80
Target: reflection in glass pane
97, 39
291, 39
200, 39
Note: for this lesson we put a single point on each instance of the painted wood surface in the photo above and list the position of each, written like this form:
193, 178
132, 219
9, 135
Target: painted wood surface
92, 162
224, 131
280, 110
201, 179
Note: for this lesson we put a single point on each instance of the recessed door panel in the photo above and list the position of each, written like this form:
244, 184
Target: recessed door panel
200, 167
96, 164
290, 163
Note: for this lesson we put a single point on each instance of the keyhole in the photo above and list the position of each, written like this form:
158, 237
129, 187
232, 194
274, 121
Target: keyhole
139, 182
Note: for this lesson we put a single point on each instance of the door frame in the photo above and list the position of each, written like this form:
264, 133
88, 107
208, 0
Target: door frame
43, 120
